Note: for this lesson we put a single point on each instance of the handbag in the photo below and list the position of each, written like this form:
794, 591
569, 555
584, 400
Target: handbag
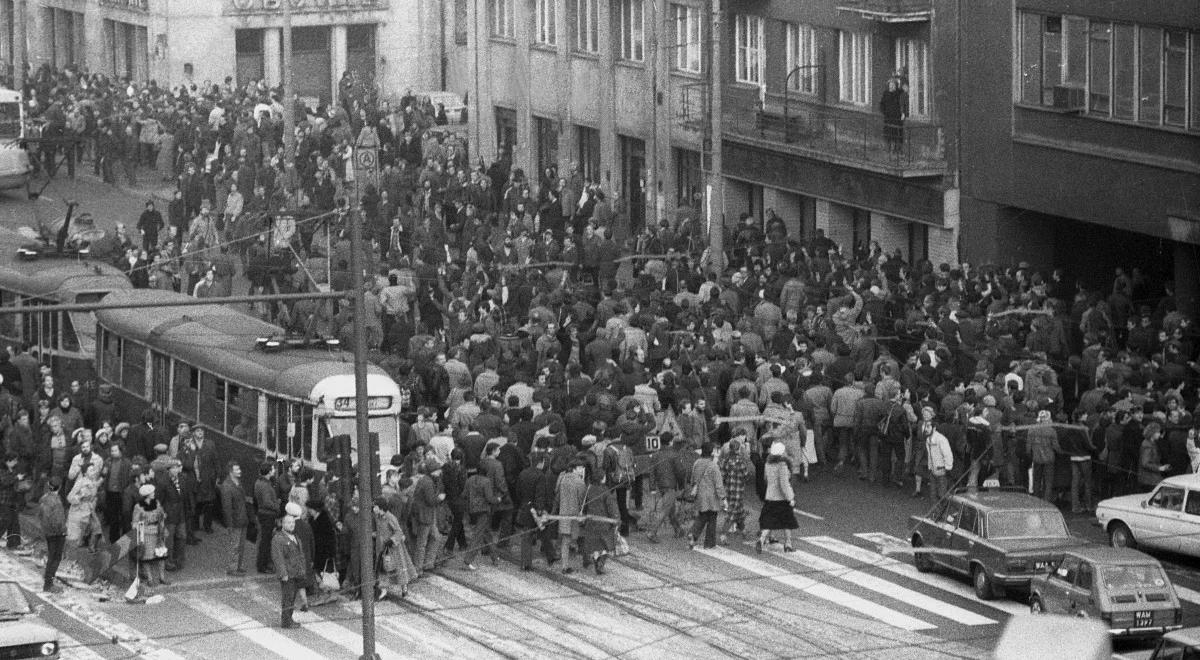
160, 550
329, 578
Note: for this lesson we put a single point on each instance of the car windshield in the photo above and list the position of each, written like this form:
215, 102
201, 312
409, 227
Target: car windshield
1131, 578
1029, 524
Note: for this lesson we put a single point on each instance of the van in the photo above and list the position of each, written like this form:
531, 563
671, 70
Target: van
14, 160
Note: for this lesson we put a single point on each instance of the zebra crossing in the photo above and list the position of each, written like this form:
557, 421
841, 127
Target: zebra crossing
502, 612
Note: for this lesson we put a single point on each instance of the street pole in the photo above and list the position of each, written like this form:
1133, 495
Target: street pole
716, 176
289, 104
20, 51
366, 480
652, 174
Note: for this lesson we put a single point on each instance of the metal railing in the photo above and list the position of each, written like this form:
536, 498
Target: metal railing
846, 134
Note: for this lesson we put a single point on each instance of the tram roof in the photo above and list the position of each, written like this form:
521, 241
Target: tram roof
222, 340
54, 277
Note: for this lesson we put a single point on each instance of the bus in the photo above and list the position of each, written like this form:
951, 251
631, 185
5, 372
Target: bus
206, 364
15, 168
64, 340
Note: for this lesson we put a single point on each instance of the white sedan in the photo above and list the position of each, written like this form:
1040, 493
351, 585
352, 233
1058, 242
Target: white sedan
1168, 518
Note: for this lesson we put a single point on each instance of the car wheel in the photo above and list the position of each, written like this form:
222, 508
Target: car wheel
1120, 536
921, 560
982, 583
1036, 606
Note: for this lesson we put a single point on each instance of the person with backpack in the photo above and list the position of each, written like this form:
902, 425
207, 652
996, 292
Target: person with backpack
617, 466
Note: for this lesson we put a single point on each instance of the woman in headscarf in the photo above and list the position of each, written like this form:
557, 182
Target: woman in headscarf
736, 471
82, 523
396, 569
777, 507
149, 524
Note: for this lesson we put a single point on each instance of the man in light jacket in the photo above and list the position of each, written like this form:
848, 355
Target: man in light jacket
938, 454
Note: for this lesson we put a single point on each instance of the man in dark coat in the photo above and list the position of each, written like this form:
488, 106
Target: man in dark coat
535, 495
290, 568
234, 507
177, 493
143, 437
199, 458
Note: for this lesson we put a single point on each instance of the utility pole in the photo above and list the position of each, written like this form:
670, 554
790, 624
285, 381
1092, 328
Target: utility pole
289, 104
366, 485
652, 174
716, 176
20, 45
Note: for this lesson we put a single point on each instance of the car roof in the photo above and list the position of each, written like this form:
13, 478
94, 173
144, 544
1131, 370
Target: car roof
1103, 554
1191, 480
1188, 636
1004, 500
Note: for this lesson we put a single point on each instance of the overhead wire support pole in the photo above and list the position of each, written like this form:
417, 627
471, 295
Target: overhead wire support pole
366, 485
289, 104
716, 175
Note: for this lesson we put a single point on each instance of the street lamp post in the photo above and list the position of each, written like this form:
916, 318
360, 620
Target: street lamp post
289, 92
716, 177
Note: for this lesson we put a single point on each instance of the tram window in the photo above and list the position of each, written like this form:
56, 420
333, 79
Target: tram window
212, 401
111, 361
133, 368
50, 329
276, 425
31, 325
322, 440
183, 399
70, 342
304, 432
8, 322
243, 414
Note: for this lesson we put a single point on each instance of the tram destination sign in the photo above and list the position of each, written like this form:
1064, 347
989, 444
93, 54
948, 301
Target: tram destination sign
302, 6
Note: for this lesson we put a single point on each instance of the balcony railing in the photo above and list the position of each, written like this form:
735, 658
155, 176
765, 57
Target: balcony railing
832, 133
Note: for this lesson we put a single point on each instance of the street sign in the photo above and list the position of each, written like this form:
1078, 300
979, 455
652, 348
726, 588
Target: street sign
365, 158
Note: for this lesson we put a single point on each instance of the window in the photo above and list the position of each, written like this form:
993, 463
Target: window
854, 67
185, 394
1100, 68
632, 28
212, 402
687, 38
500, 18
748, 49
545, 23
1168, 497
1150, 57
1124, 88
1053, 55
912, 62
546, 131
689, 179
588, 140
969, 522
1083, 579
133, 368
243, 414
587, 18
1175, 52
1195, 82
1067, 570
110, 365
952, 513
462, 25
802, 58
8, 322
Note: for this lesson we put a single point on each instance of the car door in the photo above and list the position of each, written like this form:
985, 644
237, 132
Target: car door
1162, 518
1188, 541
1062, 578
1081, 598
942, 534
966, 538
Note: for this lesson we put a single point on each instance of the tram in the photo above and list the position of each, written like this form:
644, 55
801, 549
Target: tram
208, 364
64, 340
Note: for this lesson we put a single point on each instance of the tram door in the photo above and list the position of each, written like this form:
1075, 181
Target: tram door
160, 380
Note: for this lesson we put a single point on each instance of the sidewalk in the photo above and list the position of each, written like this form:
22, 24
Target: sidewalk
149, 184
204, 565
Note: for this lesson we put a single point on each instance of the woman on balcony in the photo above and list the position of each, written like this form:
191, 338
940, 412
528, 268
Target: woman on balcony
894, 107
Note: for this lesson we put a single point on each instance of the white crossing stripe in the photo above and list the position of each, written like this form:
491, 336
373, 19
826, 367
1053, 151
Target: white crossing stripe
889, 589
1190, 595
819, 590
314, 622
943, 582
71, 649
249, 628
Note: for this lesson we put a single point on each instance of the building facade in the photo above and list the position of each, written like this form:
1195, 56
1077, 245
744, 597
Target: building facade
621, 87
1081, 136
394, 42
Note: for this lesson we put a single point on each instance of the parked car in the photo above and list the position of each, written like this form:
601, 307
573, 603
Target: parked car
1128, 590
20, 636
1178, 645
1000, 539
1166, 519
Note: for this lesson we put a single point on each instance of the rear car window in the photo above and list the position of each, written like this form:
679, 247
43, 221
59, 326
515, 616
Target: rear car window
1034, 523
1132, 578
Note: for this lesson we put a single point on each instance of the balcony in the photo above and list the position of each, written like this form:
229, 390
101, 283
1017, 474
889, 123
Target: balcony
889, 11
834, 134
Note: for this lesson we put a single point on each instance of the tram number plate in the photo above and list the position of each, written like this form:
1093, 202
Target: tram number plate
1143, 619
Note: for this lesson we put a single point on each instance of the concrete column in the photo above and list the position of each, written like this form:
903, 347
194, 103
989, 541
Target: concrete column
6, 32
96, 55
524, 154
339, 58
610, 149
272, 56
566, 121
40, 35
1187, 278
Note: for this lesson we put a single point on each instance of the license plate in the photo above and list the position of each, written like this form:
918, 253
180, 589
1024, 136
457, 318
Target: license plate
1041, 565
1143, 619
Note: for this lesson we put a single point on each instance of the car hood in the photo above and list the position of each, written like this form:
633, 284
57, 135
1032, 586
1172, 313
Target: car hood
20, 633
1123, 503
1035, 545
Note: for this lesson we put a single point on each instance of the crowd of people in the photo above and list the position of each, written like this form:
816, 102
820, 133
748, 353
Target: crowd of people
560, 366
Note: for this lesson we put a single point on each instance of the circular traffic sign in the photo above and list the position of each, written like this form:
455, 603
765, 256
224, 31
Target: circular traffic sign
365, 158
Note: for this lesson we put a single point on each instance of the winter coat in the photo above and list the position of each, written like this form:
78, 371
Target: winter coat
569, 494
710, 490
233, 504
